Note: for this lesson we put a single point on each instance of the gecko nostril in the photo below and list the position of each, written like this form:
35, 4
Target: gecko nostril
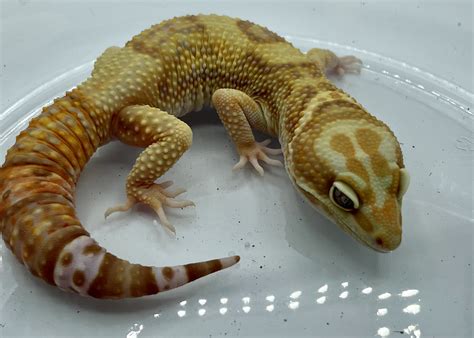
379, 241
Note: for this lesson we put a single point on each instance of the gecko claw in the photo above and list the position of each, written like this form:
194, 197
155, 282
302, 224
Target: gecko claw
125, 207
258, 152
155, 196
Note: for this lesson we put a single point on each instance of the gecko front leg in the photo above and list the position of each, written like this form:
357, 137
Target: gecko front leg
238, 112
166, 138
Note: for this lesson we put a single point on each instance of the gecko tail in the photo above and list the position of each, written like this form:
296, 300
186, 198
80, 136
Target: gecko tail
86, 268
38, 220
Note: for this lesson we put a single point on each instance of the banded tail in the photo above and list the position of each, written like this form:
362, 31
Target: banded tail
38, 219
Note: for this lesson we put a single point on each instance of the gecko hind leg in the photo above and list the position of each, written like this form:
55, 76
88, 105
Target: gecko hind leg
239, 112
165, 138
331, 63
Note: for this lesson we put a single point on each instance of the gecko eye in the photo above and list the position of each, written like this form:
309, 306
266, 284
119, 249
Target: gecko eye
404, 183
343, 196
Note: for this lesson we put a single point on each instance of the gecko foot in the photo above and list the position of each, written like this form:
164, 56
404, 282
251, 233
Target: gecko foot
258, 151
348, 64
155, 196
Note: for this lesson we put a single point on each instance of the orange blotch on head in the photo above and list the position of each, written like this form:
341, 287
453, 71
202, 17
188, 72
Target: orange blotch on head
342, 144
368, 140
380, 165
356, 167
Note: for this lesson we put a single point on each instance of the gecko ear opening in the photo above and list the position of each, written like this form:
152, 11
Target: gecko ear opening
343, 196
404, 183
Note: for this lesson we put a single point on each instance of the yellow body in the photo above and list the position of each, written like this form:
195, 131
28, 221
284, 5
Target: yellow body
334, 150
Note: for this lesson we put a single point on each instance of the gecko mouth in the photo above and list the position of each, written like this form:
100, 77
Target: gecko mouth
327, 212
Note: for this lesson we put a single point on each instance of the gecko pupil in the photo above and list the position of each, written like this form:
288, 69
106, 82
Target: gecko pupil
341, 199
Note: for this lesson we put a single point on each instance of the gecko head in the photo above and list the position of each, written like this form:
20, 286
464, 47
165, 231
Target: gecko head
351, 168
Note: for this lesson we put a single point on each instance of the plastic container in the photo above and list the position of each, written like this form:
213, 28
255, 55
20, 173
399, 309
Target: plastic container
300, 274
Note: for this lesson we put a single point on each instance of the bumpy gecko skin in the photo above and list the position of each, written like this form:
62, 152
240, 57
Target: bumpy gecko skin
346, 162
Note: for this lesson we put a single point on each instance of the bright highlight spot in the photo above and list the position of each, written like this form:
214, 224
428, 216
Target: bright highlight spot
383, 332
321, 300
385, 295
270, 298
323, 288
409, 293
135, 331
344, 294
413, 329
412, 309
295, 295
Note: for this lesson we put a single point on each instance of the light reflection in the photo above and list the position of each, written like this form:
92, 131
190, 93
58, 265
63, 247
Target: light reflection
344, 294
135, 331
293, 305
412, 309
202, 312
246, 309
385, 295
181, 313
156, 315
223, 310
270, 307
323, 288
246, 300
295, 295
270, 298
202, 301
367, 291
382, 312
183, 303
383, 332
321, 300
409, 293
224, 300
345, 284
413, 329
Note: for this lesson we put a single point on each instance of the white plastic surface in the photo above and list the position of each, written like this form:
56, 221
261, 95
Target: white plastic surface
299, 275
